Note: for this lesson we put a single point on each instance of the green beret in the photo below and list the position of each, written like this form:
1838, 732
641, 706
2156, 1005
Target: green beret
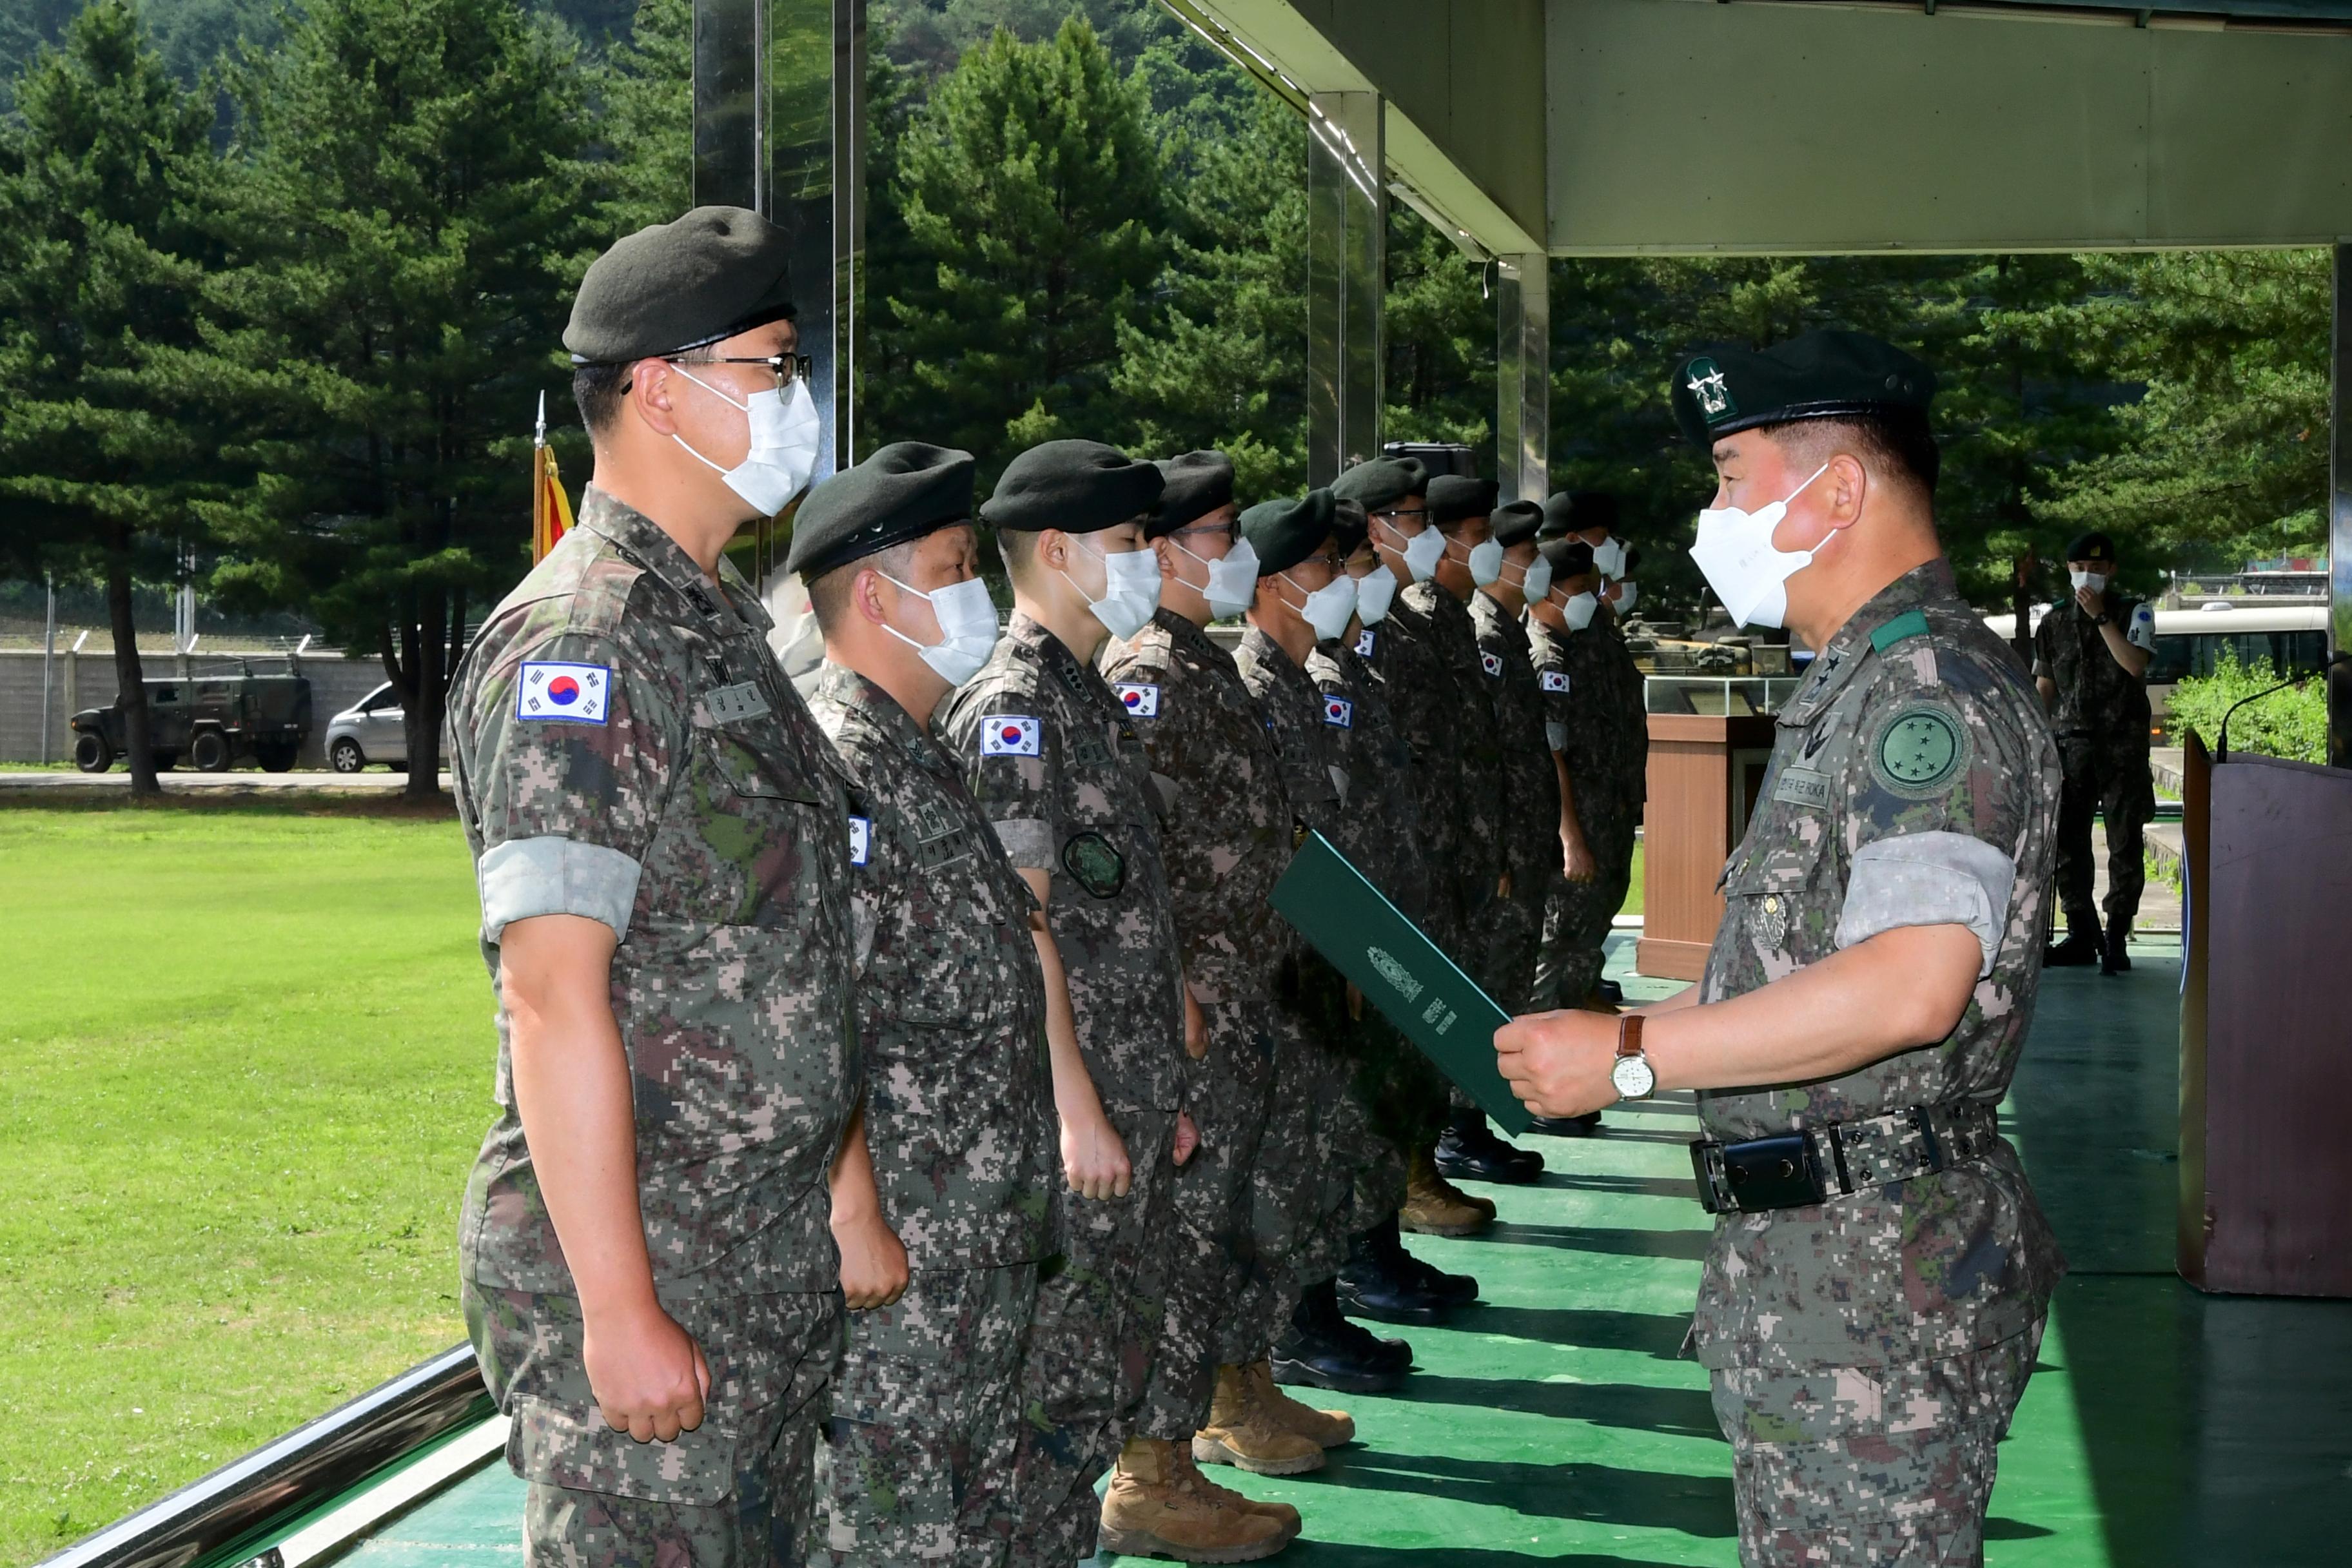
2091, 546
1569, 557
1567, 512
1077, 487
1516, 522
903, 491
1349, 524
1725, 387
1193, 486
679, 286
1452, 497
1285, 532
1381, 482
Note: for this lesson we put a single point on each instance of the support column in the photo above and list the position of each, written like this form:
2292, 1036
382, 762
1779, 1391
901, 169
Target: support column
1347, 279
780, 127
1523, 376
2339, 514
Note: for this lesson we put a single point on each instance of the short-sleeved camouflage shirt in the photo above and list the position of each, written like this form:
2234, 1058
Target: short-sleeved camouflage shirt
950, 999
1913, 783
1382, 824
2096, 697
1531, 790
625, 750
1302, 723
1441, 697
1053, 763
1226, 835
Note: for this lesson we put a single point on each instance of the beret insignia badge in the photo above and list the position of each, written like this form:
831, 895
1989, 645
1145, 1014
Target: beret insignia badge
1707, 385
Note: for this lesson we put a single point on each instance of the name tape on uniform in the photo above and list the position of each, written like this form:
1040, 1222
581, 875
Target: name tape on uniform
567, 693
1338, 713
1142, 698
1008, 735
1555, 680
734, 704
861, 840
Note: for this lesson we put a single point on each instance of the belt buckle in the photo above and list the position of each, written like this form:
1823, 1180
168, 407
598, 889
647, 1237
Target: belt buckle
1714, 1188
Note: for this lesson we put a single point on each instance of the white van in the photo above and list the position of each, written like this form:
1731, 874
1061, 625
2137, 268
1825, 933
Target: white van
2293, 636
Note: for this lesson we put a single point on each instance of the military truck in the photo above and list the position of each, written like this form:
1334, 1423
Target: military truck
213, 720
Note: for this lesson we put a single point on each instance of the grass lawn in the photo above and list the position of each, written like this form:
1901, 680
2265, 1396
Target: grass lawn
247, 1052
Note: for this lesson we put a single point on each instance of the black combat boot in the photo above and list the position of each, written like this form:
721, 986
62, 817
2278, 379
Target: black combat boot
1321, 1349
1468, 1151
2084, 945
1378, 1283
2115, 957
1612, 992
1585, 1126
1453, 1290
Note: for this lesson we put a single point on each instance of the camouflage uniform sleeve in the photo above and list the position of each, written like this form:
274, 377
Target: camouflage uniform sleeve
2044, 666
572, 743
1940, 782
1005, 743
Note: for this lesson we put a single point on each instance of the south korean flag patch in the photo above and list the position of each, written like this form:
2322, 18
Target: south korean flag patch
1555, 680
1140, 698
564, 693
1338, 713
1008, 735
1493, 661
861, 840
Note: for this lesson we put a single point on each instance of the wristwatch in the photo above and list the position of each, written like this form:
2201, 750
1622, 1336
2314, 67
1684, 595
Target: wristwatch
1632, 1074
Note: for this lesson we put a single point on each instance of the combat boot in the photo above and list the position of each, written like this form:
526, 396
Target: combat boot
1323, 1349
1453, 1290
1436, 1206
1585, 1126
1243, 1432
1468, 1151
1379, 1282
2084, 945
1328, 1428
2115, 957
1159, 1506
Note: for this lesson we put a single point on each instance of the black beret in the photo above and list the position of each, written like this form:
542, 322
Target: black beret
1193, 486
684, 285
2091, 546
903, 491
1573, 512
1077, 487
1381, 481
1516, 522
1568, 557
1285, 532
1452, 497
1349, 524
1723, 387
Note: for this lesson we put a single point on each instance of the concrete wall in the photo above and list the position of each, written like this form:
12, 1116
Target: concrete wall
87, 681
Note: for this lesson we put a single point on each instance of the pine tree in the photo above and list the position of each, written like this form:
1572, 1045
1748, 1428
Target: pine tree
643, 169
407, 191
105, 179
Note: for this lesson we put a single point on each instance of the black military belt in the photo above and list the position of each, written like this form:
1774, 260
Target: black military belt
1814, 1165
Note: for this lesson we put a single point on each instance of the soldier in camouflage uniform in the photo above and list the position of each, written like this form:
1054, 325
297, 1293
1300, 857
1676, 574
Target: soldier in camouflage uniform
1054, 762
662, 854
943, 1185
1226, 839
1597, 704
1531, 843
1880, 1272
1404, 660
2091, 655
1311, 1146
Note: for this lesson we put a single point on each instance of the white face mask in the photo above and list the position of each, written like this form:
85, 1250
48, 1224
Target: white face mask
1421, 553
1735, 551
1626, 594
967, 618
1374, 593
1537, 580
2096, 582
785, 429
1329, 608
1485, 562
1579, 609
1130, 590
1232, 580
1609, 558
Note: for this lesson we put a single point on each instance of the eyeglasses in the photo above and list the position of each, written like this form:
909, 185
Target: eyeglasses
1230, 532
786, 368
1396, 511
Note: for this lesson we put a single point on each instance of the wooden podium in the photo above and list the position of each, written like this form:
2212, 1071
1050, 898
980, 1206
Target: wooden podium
1705, 774
2265, 1038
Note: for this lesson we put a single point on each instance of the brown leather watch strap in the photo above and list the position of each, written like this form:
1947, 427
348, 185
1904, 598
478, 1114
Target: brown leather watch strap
1629, 1035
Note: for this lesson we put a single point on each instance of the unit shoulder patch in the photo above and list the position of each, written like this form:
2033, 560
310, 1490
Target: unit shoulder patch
563, 693
1919, 749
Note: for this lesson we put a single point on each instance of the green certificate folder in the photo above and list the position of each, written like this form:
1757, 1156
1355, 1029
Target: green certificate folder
1400, 971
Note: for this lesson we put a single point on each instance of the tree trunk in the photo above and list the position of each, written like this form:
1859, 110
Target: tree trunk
130, 678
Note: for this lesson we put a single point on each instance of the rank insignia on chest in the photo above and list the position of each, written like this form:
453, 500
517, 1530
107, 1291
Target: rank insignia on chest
1555, 680
567, 693
734, 704
1493, 661
1139, 698
1364, 642
861, 840
1338, 713
1008, 735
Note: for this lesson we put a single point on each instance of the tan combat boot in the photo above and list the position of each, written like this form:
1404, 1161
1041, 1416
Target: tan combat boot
1436, 1206
1159, 1506
1325, 1428
1243, 1432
